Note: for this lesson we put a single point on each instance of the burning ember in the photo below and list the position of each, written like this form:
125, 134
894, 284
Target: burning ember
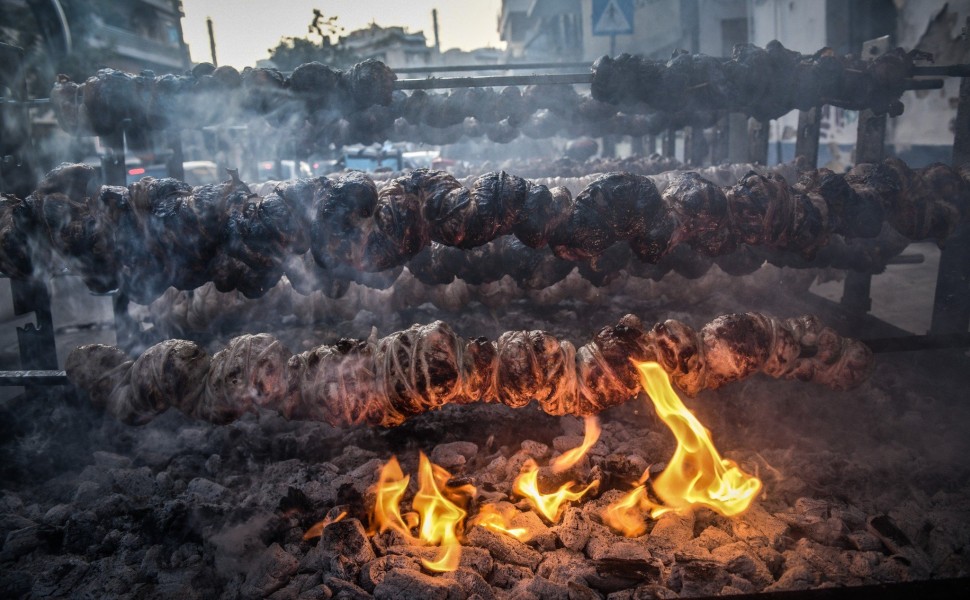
696, 475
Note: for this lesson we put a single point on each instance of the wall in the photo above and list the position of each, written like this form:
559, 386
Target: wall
929, 114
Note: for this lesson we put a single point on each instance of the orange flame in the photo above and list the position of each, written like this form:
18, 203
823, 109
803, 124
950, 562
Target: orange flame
696, 474
549, 506
569, 458
626, 514
490, 517
440, 516
316, 530
390, 488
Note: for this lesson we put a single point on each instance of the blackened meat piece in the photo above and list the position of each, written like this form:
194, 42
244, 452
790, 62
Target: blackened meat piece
502, 132
876, 188
21, 249
76, 224
762, 82
111, 97
928, 205
97, 369
66, 100
170, 373
250, 373
264, 92
421, 368
615, 206
370, 82
469, 217
512, 108
543, 124
533, 365
319, 85
700, 209
343, 211
383, 382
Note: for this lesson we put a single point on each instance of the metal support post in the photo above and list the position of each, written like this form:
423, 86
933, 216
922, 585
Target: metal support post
758, 141
115, 173
951, 303
173, 165
809, 128
869, 148
670, 143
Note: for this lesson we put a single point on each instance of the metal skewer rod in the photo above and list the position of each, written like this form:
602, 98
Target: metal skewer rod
497, 67
943, 70
924, 84
434, 83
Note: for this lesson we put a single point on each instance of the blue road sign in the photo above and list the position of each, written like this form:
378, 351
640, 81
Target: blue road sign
612, 17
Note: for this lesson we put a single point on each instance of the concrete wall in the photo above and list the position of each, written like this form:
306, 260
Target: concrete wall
929, 114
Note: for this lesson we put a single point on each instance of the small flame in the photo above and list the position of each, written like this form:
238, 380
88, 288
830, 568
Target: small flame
626, 514
548, 505
316, 530
567, 459
490, 517
390, 488
696, 474
440, 516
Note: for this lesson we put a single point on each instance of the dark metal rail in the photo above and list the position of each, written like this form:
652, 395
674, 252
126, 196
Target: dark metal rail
496, 67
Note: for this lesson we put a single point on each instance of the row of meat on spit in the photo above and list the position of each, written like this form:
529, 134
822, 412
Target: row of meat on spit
361, 104
323, 232
384, 381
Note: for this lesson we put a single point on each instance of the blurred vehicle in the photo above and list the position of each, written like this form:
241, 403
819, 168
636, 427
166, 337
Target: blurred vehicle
289, 170
326, 166
197, 172
202, 172
421, 159
375, 160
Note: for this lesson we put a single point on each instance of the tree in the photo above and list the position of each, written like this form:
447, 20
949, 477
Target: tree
291, 52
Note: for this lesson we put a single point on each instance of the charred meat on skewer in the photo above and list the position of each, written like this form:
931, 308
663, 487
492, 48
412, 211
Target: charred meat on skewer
385, 381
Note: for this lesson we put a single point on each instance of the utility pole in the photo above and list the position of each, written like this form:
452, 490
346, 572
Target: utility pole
212, 41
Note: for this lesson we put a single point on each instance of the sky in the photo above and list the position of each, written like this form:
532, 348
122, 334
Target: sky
246, 29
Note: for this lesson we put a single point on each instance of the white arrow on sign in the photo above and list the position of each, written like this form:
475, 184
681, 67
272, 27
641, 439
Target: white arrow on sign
612, 20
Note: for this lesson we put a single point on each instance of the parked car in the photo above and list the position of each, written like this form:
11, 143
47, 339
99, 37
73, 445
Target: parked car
289, 168
197, 172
